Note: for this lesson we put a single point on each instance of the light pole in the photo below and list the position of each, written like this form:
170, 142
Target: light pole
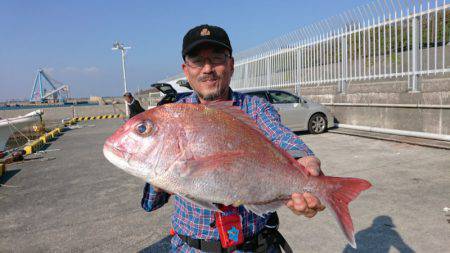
123, 49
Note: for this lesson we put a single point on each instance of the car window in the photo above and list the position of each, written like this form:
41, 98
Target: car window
261, 94
165, 89
281, 97
183, 94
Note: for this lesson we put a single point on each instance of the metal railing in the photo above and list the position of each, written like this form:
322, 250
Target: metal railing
384, 39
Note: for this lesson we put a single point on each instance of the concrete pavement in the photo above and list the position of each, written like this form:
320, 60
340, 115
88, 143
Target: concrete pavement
72, 199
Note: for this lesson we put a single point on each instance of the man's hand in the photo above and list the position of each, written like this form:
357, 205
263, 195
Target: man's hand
306, 203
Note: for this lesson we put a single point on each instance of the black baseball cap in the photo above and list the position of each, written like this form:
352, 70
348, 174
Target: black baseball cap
205, 34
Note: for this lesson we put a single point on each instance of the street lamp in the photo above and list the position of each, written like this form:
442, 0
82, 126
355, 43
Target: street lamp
123, 49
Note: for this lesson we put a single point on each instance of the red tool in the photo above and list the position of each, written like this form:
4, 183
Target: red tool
229, 225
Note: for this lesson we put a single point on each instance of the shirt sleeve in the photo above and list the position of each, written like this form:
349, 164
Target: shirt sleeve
269, 121
152, 200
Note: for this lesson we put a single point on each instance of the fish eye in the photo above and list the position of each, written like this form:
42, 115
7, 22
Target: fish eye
141, 128
144, 128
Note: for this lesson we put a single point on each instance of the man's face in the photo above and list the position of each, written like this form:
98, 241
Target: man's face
209, 72
127, 99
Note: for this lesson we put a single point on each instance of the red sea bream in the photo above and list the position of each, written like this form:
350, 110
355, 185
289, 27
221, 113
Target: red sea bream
215, 153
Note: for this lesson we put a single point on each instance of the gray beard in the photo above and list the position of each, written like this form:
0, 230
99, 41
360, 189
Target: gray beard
213, 96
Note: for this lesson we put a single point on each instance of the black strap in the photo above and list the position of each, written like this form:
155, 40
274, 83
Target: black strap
259, 243
203, 245
279, 240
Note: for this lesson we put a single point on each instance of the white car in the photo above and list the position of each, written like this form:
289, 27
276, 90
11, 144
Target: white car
297, 113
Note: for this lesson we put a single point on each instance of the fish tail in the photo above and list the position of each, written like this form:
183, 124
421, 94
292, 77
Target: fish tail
338, 194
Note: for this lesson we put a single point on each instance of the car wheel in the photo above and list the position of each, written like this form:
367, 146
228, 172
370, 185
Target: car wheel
317, 123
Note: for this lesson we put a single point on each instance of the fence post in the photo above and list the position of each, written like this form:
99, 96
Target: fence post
415, 55
268, 70
342, 87
298, 78
245, 75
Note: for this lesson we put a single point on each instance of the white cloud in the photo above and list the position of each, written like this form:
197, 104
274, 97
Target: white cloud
70, 69
49, 70
82, 71
91, 70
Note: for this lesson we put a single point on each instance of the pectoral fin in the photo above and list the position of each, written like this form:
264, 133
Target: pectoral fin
196, 167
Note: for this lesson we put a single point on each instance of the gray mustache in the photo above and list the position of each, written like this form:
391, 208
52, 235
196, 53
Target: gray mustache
206, 78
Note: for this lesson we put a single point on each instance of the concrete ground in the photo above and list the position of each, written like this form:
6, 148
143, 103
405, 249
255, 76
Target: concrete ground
71, 199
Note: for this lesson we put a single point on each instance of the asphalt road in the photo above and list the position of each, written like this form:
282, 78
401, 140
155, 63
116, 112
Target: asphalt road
71, 199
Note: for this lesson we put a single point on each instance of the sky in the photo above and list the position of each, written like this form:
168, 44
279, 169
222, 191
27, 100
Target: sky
72, 40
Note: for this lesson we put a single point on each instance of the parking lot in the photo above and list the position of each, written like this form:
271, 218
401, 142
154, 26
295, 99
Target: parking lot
71, 199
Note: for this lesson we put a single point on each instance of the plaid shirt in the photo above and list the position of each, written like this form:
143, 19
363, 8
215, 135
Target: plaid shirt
193, 221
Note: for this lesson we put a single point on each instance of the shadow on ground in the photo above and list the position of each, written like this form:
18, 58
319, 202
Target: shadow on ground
7, 176
379, 237
162, 245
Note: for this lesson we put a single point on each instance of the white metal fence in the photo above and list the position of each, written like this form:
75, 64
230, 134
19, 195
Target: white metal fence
384, 39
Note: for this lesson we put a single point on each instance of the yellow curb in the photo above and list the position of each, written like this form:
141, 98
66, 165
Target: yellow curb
43, 139
37, 144
28, 150
86, 118
50, 135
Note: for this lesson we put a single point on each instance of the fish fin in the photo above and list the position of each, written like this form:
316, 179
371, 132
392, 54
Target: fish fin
236, 112
198, 166
200, 203
260, 210
341, 191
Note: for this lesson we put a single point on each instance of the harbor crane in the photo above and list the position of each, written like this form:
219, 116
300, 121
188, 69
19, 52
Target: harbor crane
46, 88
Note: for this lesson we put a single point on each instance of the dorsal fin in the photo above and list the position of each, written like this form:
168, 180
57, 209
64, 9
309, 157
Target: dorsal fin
227, 107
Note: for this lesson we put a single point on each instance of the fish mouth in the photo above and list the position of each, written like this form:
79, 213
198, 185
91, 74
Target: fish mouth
121, 159
116, 156
109, 146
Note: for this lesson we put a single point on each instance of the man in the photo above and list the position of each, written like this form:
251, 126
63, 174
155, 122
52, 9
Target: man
133, 106
208, 66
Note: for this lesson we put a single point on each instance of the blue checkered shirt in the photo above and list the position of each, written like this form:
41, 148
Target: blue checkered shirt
194, 221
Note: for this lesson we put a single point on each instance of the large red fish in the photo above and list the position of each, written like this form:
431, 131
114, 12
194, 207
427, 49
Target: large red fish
216, 153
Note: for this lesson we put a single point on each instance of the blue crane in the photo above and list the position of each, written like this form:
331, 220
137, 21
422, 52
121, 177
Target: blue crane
46, 88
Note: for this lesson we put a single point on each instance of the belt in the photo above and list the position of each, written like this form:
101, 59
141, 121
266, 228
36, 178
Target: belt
258, 243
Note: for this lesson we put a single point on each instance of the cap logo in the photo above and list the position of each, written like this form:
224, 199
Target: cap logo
205, 32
